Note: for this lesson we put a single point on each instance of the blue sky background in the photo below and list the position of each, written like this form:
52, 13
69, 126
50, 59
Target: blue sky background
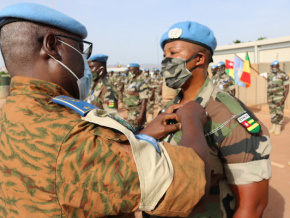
130, 30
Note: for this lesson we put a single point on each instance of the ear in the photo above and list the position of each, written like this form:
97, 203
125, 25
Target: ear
49, 46
200, 59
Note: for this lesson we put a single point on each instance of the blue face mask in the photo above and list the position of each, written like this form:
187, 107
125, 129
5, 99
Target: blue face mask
84, 83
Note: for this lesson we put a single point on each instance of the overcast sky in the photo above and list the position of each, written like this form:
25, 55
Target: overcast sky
130, 30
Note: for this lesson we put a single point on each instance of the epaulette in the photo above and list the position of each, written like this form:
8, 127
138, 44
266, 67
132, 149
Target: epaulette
77, 105
243, 116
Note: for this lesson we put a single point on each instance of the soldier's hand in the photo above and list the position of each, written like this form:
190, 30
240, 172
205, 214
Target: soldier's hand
158, 128
191, 111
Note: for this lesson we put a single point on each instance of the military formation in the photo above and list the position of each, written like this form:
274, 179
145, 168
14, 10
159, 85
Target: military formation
67, 152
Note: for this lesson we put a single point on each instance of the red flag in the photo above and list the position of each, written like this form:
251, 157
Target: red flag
230, 68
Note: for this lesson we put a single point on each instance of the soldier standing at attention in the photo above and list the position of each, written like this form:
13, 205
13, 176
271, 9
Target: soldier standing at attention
151, 99
136, 95
102, 93
63, 157
239, 143
224, 81
213, 69
277, 92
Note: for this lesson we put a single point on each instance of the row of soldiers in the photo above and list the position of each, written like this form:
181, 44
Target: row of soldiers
277, 90
137, 90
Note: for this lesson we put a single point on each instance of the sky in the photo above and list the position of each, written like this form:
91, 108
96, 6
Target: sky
130, 30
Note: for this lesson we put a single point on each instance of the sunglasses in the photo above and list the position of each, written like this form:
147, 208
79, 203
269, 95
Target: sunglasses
87, 47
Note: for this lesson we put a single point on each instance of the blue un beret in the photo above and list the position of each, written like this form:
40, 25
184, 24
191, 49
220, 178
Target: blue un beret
213, 67
146, 69
274, 63
99, 58
190, 32
134, 65
221, 63
41, 14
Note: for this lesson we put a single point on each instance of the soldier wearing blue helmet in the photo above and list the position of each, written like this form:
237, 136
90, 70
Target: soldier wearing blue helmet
224, 81
232, 131
64, 157
277, 92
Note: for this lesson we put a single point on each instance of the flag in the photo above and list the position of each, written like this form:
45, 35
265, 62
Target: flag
230, 68
238, 70
246, 76
118, 64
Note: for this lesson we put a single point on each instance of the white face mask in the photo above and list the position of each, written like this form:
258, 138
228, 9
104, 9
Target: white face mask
85, 82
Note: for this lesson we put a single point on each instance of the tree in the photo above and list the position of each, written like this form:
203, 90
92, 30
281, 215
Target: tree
237, 41
262, 38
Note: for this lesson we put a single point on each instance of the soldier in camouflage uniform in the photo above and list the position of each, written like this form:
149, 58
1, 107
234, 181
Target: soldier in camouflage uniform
119, 86
239, 143
224, 81
150, 104
62, 157
110, 75
158, 83
136, 94
102, 93
277, 92
213, 69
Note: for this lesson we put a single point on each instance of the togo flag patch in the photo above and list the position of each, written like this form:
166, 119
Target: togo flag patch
249, 123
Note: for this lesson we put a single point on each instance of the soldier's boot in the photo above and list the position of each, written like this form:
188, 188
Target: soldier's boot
278, 129
273, 128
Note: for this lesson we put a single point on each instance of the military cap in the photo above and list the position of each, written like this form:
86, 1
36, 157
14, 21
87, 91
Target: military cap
213, 67
221, 63
190, 32
111, 71
274, 63
41, 14
146, 69
99, 58
134, 65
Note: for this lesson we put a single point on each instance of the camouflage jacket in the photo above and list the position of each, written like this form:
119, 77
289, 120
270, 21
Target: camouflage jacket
238, 156
277, 82
224, 82
135, 90
104, 95
54, 164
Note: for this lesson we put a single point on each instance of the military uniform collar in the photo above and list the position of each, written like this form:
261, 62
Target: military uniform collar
26, 85
203, 95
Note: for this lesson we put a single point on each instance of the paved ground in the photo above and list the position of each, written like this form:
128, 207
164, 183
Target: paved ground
279, 193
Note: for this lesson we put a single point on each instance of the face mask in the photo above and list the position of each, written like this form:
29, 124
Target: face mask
274, 70
146, 74
97, 74
131, 74
175, 72
83, 83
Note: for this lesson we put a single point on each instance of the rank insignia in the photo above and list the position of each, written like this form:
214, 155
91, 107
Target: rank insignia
174, 33
249, 123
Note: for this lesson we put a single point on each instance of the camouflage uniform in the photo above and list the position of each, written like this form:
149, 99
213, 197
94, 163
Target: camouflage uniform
237, 156
224, 82
275, 93
157, 84
150, 103
119, 86
135, 91
104, 96
54, 164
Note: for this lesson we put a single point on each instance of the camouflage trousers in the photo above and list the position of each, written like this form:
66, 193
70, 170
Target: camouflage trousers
133, 114
159, 100
150, 107
276, 113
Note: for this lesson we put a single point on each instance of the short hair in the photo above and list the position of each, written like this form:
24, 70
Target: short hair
19, 43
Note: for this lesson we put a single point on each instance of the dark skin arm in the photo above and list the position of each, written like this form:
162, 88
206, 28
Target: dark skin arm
152, 95
142, 112
251, 199
192, 117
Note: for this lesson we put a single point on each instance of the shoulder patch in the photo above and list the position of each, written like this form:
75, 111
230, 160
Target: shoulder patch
77, 105
249, 123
